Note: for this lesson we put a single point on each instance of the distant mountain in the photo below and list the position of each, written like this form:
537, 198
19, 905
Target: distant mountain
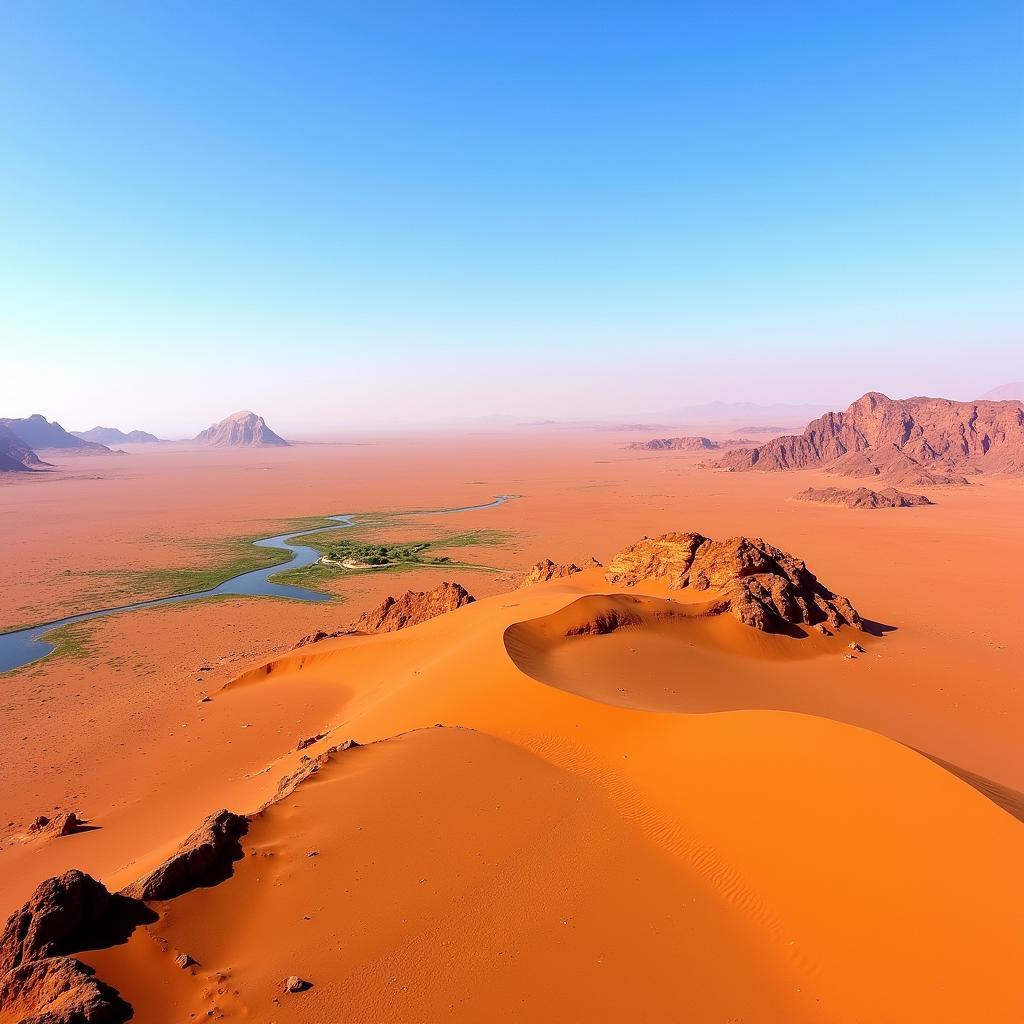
744, 412
15, 455
241, 430
111, 435
37, 432
919, 441
1005, 393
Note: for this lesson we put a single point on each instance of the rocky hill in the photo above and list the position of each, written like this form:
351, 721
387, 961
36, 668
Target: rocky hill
111, 435
917, 441
15, 455
413, 607
37, 432
675, 444
761, 585
863, 497
241, 430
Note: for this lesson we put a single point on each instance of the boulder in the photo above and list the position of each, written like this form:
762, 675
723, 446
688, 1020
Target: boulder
205, 858
59, 990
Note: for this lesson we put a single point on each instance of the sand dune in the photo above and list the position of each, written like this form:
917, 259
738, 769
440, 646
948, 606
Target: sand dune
541, 847
633, 809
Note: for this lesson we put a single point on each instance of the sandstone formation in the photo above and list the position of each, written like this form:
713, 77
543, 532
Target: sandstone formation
15, 455
65, 914
37, 432
414, 607
111, 435
205, 858
39, 980
759, 584
59, 990
863, 497
675, 444
317, 635
546, 570
912, 441
241, 430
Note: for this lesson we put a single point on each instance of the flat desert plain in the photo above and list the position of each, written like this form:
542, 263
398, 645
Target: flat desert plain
579, 800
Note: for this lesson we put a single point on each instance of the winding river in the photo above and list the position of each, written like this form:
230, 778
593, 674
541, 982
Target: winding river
27, 645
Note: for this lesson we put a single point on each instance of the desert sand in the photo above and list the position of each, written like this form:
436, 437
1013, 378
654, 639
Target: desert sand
684, 818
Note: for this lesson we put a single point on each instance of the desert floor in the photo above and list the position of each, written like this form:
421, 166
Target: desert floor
701, 825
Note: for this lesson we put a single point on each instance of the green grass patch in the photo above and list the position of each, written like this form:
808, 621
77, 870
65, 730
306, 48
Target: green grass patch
74, 641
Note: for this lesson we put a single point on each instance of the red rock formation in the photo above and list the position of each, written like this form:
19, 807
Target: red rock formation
59, 990
241, 430
414, 607
63, 915
40, 983
546, 570
759, 584
205, 858
318, 635
914, 440
863, 497
675, 444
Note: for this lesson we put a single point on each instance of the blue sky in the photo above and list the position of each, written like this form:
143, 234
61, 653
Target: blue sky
535, 209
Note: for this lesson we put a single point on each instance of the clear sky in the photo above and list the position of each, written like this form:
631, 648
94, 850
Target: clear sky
354, 212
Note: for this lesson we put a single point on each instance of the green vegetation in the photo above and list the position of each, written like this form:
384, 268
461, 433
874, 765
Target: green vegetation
74, 641
223, 560
354, 546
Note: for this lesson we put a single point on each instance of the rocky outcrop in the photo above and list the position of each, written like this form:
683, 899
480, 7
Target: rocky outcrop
37, 432
241, 430
40, 982
761, 585
546, 570
65, 914
15, 455
59, 990
317, 635
205, 858
911, 441
863, 497
675, 444
111, 435
414, 607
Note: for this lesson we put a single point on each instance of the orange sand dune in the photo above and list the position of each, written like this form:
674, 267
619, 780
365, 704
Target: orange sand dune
678, 819
568, 858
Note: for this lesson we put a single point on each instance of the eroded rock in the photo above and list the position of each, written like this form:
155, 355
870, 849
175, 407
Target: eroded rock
205, 858
761, 585
413, 607
59, 990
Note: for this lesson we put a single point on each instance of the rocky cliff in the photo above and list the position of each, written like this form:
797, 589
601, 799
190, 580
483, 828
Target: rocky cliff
912, 440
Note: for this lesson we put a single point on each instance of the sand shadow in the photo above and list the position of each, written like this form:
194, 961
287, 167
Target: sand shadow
877, 629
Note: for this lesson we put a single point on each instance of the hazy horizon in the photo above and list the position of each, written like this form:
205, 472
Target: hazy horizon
356, 217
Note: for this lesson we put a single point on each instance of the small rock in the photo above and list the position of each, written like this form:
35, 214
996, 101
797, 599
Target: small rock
41, 822
309, 741
312, 853
204, 699
67, 824
854, 646
184, 961
296, 984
